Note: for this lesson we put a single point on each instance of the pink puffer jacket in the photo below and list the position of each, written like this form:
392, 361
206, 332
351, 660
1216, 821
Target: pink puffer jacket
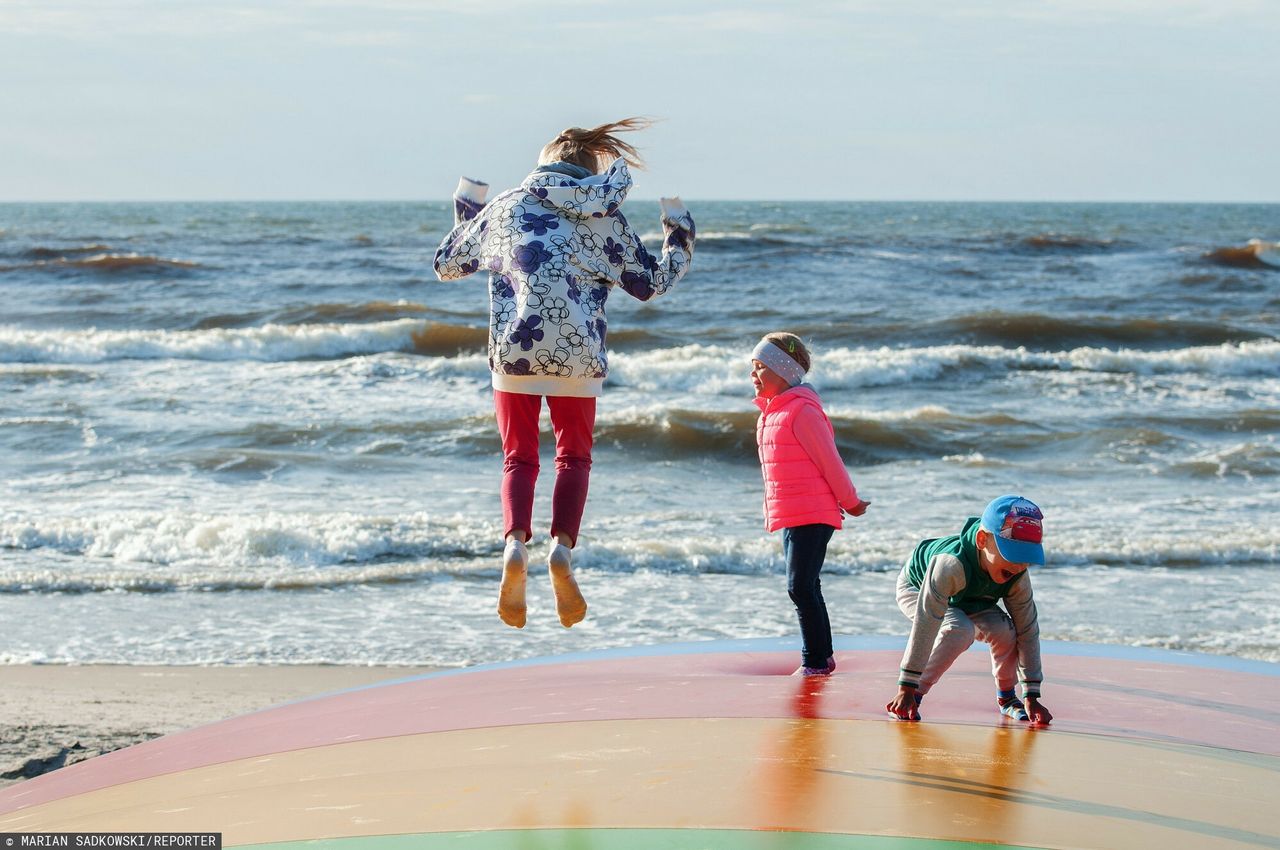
795, 492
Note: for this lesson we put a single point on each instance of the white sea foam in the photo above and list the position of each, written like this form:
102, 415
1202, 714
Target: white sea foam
714, 368
655, 236
883, 366
404, 623
160, 551
174, 550
695, 367
269, 343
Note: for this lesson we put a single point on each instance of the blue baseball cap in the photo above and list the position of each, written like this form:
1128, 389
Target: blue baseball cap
1016, 525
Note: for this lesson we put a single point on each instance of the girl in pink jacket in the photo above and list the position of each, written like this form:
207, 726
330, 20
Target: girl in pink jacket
807, 490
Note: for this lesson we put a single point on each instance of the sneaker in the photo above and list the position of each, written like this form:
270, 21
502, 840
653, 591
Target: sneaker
1012, 707
570, 605
515, 569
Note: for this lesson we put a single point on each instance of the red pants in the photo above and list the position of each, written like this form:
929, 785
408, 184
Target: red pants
572, 420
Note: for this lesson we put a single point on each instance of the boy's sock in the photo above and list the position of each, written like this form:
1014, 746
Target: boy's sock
569, 602
511, 597
1010, 705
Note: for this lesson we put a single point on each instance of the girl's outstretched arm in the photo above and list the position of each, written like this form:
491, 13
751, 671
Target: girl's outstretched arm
459, 251
645, 277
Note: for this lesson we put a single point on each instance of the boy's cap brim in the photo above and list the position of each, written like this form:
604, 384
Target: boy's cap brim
1019, 551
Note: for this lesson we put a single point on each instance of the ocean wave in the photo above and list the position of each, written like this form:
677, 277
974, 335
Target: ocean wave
1043, 243
1256, 254
364, 312
177, 551
173, 551
1244, 420
273, 343
1048, 332
272, 445
1065, 242
41, 252
864, 437
719, 369
701, 368
108, 263
680, 432
668, 431
1247, 460
23, 374
445, 340
880, 367
732, 240
868, 438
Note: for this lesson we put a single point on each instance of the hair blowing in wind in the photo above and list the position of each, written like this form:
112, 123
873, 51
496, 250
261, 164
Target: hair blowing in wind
597, 146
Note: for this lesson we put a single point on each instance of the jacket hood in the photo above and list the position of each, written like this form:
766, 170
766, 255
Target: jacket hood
803, 393
590, 197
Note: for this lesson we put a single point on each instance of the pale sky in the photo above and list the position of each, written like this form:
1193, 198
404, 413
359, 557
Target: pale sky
1110, 100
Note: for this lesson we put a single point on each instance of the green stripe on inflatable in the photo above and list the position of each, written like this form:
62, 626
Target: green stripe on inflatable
629, 839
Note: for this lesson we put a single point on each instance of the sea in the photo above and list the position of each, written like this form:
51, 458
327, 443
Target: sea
262, 433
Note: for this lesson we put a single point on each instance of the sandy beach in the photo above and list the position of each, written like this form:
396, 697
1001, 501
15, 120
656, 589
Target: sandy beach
57, 715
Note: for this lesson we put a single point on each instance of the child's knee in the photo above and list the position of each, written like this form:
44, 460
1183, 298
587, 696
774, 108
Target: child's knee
957, 633
573, 462
1001, 636
522, 461
804, 596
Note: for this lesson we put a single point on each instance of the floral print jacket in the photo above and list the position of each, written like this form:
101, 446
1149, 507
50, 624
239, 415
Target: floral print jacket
554, 248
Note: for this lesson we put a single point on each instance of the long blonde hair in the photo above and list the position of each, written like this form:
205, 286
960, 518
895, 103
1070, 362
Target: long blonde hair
595, 148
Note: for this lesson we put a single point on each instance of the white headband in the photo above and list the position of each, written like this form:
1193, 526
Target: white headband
779, 361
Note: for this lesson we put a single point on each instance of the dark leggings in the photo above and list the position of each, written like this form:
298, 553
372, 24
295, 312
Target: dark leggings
805, 547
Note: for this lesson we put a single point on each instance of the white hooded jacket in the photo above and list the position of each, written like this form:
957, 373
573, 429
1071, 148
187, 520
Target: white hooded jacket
554, 248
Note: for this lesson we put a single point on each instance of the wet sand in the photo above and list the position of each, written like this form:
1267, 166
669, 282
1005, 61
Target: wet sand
52, 716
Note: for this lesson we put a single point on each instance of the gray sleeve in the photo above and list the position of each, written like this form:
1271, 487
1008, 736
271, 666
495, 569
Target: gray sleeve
943, 579
1021, 606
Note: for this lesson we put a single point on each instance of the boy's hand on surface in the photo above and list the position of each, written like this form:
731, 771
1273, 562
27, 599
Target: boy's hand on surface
903, 706
859, 509
1037, 713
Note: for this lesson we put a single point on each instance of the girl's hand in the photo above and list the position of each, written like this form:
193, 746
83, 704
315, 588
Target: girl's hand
859, 509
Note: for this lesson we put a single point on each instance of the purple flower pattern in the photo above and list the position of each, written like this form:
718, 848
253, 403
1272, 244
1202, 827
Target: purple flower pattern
637, 285
500, 286
539, 223
526, 332
517, 367
614, 251
528, 257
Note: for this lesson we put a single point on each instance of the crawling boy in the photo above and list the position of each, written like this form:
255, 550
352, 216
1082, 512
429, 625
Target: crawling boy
950, 590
